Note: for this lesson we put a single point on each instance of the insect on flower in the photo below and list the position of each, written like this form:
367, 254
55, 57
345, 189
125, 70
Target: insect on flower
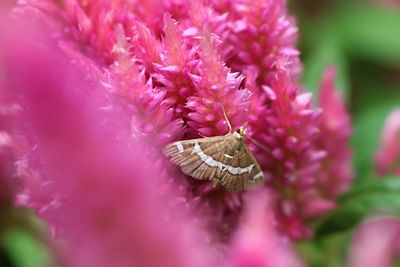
223, 160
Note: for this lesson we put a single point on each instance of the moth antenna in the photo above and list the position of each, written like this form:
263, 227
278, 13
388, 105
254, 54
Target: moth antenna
266, 149
227, 121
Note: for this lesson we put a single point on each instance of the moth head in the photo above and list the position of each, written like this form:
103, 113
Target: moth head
241, 132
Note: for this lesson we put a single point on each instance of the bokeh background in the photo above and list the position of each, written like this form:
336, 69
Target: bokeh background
362, 39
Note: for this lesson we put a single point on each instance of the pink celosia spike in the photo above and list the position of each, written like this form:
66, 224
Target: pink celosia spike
297, 151
376, 243
285, 127
261, 34
335, 132
257, 241
153, 118
389, 151
179, 62
145, 46
217, 92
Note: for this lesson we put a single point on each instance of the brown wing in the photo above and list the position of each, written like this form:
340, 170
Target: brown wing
203, 158
243, 172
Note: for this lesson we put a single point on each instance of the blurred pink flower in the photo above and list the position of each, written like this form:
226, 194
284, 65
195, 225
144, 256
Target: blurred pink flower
388, 3
8, 185
335, 174
336, 130
388, 154
111, 205
257, 242
376, 243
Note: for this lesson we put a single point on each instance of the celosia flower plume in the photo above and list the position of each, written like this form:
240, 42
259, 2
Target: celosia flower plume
376, 243
289, 159
118, 80
179, 61
219, 100
257, 242
295, 151
387, 156
336, 173
153, 119
262, 35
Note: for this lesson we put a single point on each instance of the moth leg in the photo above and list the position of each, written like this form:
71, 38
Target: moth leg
215, 182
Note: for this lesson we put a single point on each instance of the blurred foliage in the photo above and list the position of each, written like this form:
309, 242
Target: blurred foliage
380, 196
24, 250
362, 40
329, 251
23, 239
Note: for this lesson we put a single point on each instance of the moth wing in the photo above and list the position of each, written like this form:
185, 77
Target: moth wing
243, 172
200, 158
180, 151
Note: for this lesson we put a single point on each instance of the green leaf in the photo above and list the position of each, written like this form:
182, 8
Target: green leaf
388, 184
325, 52
380, 196
327, 252
25, 251
370, 31
375, 104
25, 240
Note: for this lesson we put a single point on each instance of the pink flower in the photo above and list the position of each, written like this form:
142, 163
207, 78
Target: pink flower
144, 46
132, 75
93, 22
335, 126
257, 242
335, 174
111, 205
179, 61
298, 159
388, 153
197, 84
217, 101
262, 35
285, 146
217, 92
388, 3
376, 243
153, 118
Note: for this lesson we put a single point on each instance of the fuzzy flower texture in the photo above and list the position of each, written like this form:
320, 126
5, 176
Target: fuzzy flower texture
99, 87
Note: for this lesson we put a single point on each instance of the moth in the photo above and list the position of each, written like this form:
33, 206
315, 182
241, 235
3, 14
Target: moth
224, 160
